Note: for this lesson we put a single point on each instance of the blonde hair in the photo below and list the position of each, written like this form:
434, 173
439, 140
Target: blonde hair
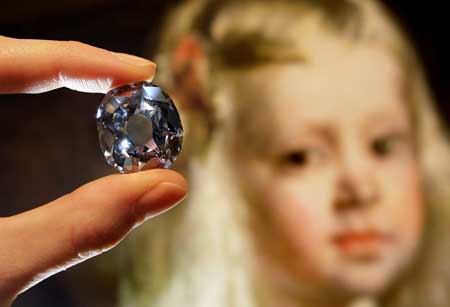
199, 253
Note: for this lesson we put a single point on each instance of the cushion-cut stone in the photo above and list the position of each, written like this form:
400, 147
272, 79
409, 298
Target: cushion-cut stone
139, 127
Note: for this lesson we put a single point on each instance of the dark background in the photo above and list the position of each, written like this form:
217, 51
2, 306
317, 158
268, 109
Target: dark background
49, 141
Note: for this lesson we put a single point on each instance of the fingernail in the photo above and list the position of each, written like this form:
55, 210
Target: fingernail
158, 199
134, 60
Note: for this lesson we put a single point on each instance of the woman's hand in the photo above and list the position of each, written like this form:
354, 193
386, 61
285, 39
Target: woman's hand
41, 242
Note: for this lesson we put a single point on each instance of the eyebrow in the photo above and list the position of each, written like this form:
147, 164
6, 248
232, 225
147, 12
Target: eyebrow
324, 131
252, 50
384, 118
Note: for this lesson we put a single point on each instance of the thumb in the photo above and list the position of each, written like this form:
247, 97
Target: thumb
92, 219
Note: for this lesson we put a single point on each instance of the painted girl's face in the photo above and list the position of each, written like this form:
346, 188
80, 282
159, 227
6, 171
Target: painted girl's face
325, 156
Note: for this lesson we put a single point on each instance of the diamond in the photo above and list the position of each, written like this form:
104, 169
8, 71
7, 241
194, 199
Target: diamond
139, 128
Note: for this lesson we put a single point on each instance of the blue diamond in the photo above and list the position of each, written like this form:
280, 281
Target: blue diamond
139, 127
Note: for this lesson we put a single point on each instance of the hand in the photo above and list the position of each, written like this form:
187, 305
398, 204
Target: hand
92, 219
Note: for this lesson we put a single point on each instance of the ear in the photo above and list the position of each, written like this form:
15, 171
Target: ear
189, 71
189, 67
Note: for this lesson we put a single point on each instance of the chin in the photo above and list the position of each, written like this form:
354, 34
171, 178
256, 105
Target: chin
368, 274
362, 286
364, 279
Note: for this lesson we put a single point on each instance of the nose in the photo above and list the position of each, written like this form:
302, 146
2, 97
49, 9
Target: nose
355, 186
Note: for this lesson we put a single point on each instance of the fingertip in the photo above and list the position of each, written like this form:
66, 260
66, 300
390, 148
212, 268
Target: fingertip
164, 175
127, 188
159, 199
134, 60
115, 204
138, 69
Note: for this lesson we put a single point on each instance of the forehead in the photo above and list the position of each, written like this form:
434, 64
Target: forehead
338, 82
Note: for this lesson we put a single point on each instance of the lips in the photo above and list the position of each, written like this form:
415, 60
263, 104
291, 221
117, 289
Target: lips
361, 243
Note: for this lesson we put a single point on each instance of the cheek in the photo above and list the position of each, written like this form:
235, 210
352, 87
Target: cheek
405, 200
302, 213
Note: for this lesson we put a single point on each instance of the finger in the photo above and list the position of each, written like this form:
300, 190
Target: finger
35, 66
92, 219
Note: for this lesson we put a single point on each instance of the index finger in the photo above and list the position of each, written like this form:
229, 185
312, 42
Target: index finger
35, 66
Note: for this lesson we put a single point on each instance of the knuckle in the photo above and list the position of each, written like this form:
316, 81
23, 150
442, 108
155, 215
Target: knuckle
99, 235
93, 240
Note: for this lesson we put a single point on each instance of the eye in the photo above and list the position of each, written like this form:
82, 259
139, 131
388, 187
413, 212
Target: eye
385, 146
298, 157
302, 158
380, 147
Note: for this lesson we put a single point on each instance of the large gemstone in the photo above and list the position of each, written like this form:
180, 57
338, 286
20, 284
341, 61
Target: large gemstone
139, 127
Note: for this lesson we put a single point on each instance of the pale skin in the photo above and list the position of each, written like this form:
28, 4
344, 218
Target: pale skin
95, 217
335, 180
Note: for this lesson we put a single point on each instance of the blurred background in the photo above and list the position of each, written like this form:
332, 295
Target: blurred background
49, 145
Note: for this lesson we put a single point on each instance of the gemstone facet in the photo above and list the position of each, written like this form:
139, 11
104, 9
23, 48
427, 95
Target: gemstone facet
139, 127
